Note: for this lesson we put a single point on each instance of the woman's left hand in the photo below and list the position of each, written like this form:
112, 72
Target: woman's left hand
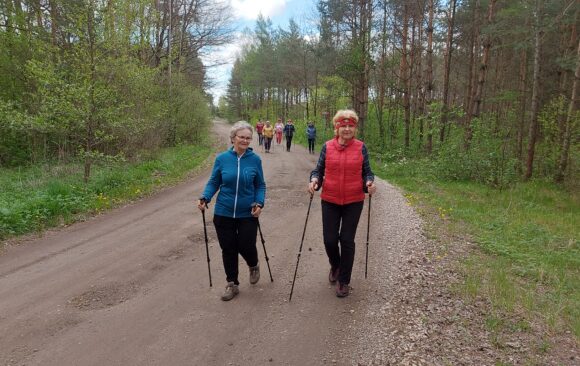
371, 187
256, 210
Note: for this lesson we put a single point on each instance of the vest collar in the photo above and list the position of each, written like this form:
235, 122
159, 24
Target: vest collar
342, 147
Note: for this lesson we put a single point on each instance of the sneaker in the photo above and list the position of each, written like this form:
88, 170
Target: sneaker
333, 275
342, 289
254, 274
231, 291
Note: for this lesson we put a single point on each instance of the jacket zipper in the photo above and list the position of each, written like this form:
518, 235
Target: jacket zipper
237, 185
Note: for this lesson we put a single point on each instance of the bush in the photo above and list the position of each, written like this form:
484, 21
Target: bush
488, 159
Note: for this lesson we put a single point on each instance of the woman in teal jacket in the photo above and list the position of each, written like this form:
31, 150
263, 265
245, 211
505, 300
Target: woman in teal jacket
237, 174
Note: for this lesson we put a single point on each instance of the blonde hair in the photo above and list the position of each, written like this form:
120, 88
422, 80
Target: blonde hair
345, 113
238, 126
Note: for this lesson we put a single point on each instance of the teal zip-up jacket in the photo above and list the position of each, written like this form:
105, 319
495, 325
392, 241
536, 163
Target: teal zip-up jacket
240, 181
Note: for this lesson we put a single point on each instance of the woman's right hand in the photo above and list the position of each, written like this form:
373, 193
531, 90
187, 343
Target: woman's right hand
313, 186
201, 204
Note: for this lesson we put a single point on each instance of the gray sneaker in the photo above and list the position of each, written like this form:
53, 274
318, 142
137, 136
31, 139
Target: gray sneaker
254, 274
230, 292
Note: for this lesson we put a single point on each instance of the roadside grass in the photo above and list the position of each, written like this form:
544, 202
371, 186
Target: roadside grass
43, 196
529, 263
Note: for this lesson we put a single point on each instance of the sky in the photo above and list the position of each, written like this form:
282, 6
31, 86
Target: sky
246, 13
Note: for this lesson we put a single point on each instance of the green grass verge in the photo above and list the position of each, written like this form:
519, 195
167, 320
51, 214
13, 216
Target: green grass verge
530, 259
39, 197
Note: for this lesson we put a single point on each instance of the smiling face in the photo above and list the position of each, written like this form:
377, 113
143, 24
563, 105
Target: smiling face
346, 133
242, 140
345, 129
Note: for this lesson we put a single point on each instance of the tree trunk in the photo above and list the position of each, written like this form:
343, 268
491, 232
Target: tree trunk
361, 29
405, 78
571, 121
569, 43
429, 78
533, 135
8, 18
417, 71
522, 117
477, 95
381, 78
90, 137
38, 13
473, 52
20, 18
53, 21
447, 72
305, 86
315, 102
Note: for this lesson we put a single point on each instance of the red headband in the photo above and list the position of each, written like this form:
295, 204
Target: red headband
346, 122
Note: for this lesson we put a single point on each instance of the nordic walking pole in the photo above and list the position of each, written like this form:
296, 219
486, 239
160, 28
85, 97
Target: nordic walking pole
300, 250
368, 230
265, 254
206, 246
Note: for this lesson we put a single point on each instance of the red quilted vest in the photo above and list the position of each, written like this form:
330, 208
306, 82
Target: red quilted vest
343, 182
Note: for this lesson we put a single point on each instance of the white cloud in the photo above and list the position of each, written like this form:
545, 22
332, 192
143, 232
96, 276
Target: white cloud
223, 58
249, 9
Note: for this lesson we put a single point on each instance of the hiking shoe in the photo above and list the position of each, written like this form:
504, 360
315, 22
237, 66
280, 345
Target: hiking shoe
254, 274
231, 291
333, 275
342, 289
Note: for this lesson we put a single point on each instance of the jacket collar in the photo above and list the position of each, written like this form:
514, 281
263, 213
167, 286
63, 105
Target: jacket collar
342, 147
249, 152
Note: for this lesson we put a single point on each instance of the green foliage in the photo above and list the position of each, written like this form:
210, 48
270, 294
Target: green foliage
551, 121
191, 112
528, 233
333, 93
99, 88
14, 129
489, 159
42, 196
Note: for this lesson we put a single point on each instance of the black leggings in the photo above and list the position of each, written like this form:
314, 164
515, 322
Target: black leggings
311, 145
236, 236
267, 143
333, 233
288, 142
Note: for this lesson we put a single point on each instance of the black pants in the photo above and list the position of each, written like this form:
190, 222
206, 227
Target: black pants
260, 139
236, 236
339, 223
267, 143
288, 142
311, 145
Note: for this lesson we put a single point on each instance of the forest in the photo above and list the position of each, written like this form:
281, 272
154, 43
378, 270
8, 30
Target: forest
99, 81
484, 90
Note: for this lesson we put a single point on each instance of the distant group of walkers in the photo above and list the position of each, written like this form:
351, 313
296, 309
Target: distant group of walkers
342, 171
266, 133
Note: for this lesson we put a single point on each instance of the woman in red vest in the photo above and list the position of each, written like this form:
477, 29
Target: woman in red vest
344, 173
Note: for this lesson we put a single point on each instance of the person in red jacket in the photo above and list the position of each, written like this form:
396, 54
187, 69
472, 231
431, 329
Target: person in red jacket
344, 173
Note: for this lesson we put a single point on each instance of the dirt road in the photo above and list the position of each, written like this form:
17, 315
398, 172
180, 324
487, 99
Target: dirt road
131, 288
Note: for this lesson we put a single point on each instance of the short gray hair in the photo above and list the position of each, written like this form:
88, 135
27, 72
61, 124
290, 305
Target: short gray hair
238, 126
